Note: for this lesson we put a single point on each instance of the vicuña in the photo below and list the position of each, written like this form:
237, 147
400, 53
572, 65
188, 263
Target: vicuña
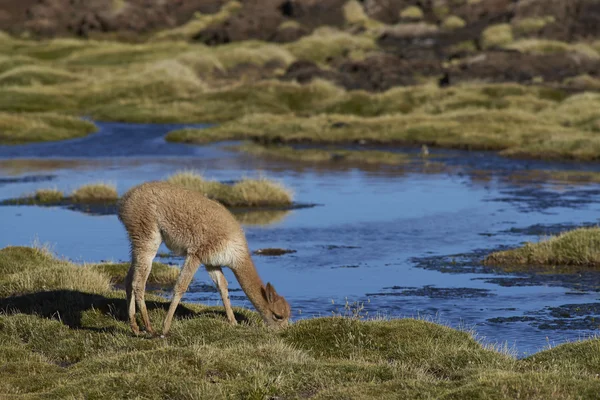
205, 233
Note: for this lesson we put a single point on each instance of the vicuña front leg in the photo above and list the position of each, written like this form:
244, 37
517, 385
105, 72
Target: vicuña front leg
216, 273
183, 281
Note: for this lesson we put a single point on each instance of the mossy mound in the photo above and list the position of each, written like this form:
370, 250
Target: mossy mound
66, 338
580, 247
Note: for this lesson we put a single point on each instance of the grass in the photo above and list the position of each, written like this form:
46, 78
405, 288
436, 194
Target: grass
244, 193
412, 13
95, 193
544, 46
71, 340
200, 22
513, 133
327, 43
48, 196
532, 25
496, 36
580, 247
36, 75
41, 127
161, 274
327, 156
453, 22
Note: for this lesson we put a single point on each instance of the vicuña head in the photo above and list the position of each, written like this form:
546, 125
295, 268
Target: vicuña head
204, 232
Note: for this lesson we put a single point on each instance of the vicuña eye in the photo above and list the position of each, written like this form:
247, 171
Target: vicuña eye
277, 317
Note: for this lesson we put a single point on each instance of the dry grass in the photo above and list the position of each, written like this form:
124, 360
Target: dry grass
161, 274
71, 340
453, 22
527, 26
326, 43
41, 127
245, 193
496, 36
48, 196
36, 75
580, 247
412, 13
200, 22
355, 157
95, 193
544, 46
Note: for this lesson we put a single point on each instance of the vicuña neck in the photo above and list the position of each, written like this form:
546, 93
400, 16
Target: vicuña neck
251, 284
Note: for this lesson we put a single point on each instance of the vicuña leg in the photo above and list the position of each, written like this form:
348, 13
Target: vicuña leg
216, 273
183, 281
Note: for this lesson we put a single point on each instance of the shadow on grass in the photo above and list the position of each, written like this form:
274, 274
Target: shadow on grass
69, 307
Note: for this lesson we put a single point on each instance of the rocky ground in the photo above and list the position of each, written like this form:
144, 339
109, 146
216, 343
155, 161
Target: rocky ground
452, 41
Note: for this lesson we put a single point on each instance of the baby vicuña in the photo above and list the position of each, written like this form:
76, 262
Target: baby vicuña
205, 233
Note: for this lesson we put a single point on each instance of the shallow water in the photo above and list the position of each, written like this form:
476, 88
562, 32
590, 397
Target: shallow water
403, 242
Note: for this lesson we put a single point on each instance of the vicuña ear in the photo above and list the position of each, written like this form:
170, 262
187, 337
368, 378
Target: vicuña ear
270, 293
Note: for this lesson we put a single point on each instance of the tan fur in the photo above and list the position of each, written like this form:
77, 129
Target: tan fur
204, 232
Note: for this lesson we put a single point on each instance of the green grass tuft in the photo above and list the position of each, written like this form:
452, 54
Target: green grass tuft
65, 338
41, 127
245, 193
48, 196
453, 22
412, 13
580, 247
160, 275
95, 193
496, 36
326, 43
322, 155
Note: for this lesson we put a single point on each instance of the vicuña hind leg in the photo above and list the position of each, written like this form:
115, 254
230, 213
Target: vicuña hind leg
216, 273
141, 265
183, 281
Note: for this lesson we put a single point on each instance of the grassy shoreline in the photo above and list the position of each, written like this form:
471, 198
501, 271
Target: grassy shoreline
577, 248
44, 85
250, 193
68, 337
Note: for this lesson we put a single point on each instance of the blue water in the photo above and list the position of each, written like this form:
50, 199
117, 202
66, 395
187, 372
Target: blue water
358, 243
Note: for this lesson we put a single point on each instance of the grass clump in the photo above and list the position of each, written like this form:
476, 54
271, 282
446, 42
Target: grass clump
200, 22
36, 75
245, 193
28, 270
496, 36
72, 340
48, 196
323, 155
412, 13
544, 46
528, 26
580, 247
41, 127
325, 44
453, 22
95, 193
161, 274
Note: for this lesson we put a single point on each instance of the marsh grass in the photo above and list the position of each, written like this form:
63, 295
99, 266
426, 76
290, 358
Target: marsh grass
515, 133
325, 155
48, 196
40, 127
497, 36
544, 46
200, 22
580, 247
325, 44
95, 193
36, 75
162, 275
244, 193
71, 340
